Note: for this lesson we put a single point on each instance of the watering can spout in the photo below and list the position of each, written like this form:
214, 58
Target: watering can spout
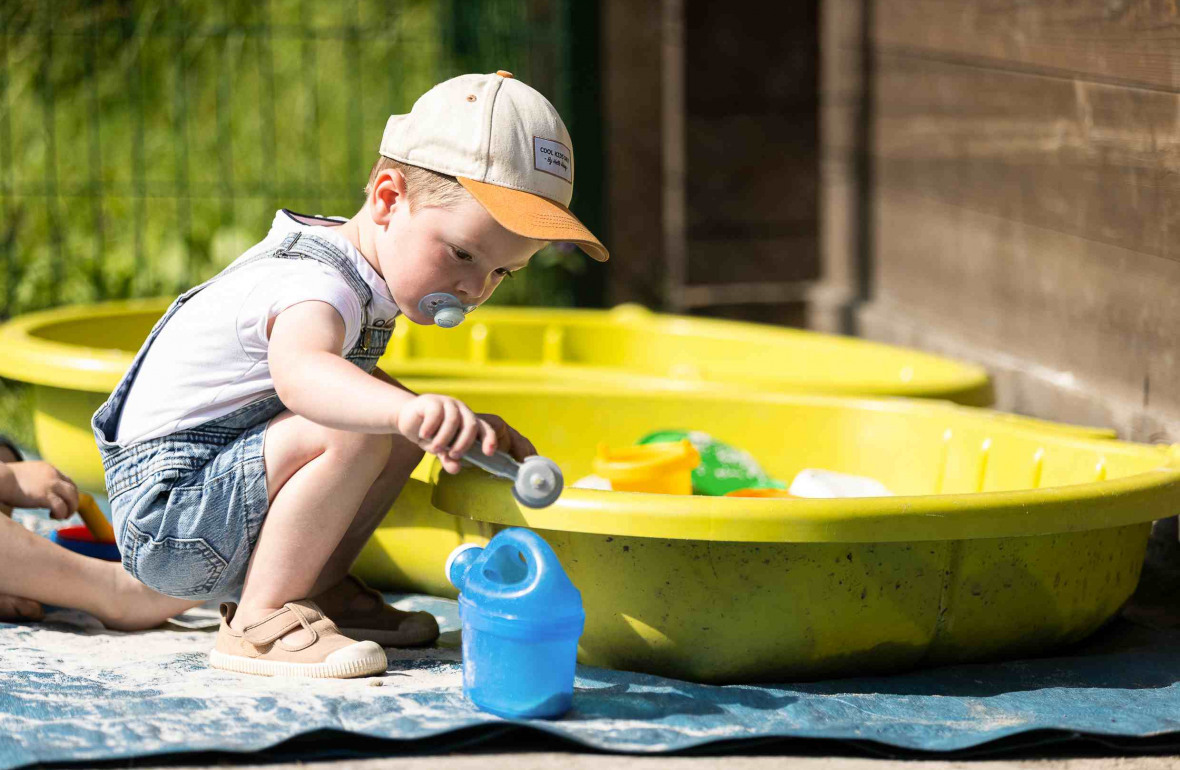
459, 563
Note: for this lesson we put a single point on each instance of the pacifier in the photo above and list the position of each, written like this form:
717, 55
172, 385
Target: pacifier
444, 309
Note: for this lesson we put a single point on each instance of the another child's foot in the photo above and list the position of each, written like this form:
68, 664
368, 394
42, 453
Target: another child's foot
269, 648
19, 610
361, 613
132, 606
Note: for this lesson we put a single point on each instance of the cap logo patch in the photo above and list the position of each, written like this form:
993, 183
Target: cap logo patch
553, 158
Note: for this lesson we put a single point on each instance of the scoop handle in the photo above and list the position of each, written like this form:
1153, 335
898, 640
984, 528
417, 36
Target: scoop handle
499, 464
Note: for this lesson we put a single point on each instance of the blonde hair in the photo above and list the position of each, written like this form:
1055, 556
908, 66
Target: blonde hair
423, 186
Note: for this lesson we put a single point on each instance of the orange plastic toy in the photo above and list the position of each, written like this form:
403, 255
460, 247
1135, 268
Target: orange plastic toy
664, 468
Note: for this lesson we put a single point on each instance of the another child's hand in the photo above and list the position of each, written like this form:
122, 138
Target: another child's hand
445, 427
40, 485
508, 438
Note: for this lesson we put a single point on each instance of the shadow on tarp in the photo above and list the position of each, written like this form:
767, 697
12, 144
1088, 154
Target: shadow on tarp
334, 745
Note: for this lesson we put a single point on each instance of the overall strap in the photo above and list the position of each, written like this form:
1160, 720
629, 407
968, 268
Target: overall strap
306, 246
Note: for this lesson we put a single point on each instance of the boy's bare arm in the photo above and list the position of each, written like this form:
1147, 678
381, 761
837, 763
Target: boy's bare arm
381, 375
313, 380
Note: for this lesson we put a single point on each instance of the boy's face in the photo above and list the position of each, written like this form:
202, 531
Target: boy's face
459, 249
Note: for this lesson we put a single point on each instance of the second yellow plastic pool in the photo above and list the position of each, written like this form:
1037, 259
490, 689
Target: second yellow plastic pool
75, 355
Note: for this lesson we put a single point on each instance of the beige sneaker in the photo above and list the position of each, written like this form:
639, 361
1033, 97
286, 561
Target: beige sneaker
321, 652
362, 613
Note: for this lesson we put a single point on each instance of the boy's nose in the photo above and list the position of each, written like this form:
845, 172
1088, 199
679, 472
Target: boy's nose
470, 292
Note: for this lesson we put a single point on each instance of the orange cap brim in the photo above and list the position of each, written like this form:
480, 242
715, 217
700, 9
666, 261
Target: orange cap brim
534, 216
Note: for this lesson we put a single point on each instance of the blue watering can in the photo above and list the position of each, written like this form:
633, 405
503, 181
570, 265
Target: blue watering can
522, 618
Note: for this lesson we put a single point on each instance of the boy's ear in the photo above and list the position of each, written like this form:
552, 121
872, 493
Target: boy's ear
387, 194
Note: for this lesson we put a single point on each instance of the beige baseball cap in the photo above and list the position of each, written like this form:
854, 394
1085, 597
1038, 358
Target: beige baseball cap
505, 144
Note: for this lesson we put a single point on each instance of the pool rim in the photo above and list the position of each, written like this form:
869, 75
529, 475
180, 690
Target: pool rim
39, 361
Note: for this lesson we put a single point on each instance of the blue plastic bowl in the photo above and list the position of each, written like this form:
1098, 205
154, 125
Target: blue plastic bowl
79, 540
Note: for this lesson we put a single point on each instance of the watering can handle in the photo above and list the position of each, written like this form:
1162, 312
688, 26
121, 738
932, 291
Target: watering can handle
536, 551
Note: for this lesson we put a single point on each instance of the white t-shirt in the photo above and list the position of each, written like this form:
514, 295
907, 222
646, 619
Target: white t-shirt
210, 358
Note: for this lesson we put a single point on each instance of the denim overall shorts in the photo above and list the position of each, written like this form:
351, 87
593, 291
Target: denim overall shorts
187, 507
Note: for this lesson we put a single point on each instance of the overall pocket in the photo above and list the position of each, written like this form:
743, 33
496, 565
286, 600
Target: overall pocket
187, 568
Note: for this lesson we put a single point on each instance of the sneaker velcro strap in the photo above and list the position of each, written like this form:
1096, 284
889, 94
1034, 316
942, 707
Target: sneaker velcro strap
271, 629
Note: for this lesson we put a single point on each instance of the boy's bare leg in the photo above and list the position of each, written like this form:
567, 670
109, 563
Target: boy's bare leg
36, 569
316, 478
403, 458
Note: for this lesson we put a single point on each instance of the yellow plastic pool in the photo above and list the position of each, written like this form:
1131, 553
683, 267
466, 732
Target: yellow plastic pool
75, 355
1006, 538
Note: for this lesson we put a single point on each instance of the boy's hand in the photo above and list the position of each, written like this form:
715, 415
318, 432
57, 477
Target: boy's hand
40, 485
445, 427
508, 438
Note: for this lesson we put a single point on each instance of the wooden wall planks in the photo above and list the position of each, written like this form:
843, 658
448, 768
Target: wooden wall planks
844, 220
1094, 160
752, 129
750, 115
1024, 194
1056, 301
631, 106
1130, 41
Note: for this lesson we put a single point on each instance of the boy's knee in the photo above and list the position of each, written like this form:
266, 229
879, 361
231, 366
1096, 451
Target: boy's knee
403, 454
367, 448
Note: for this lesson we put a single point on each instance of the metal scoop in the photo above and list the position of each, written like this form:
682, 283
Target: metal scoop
537, 482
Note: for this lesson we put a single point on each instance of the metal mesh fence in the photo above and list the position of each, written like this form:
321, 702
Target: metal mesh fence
146, 143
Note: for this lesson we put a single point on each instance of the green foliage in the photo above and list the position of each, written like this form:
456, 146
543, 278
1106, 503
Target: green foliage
547, 281
144, 144
16, 412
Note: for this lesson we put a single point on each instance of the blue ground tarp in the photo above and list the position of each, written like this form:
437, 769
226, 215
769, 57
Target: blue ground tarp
73, 692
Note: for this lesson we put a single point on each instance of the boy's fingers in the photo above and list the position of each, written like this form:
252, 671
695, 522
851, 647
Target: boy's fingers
490, 441
432, 417
467, 435
450, 424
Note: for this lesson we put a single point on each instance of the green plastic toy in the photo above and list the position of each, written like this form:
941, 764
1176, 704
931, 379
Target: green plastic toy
723, 468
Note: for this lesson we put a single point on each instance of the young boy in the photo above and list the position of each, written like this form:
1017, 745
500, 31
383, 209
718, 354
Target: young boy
253, 445
35, 570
